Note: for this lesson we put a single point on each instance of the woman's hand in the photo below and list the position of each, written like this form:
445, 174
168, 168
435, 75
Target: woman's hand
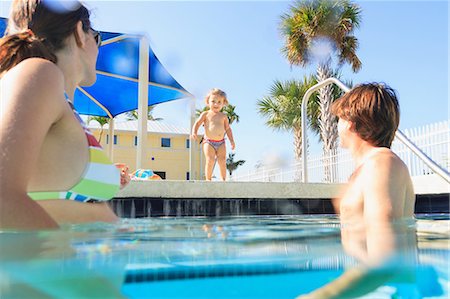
124, 174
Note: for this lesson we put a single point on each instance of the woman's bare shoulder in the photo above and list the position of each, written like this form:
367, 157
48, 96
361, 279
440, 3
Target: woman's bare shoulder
35, 76
37, 69
35, 84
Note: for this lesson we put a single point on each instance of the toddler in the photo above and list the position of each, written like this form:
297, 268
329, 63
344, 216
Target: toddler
216, 126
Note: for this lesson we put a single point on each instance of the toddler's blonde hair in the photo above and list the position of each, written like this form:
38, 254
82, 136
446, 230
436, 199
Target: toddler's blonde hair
218, 93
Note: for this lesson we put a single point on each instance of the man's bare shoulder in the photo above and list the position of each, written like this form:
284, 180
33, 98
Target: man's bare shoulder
384, 158
385, 165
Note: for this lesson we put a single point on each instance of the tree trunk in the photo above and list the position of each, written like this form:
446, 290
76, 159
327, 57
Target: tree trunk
298, 153
327, 121
100, 136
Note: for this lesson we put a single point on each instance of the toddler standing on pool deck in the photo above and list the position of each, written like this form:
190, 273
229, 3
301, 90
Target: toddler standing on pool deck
216, 126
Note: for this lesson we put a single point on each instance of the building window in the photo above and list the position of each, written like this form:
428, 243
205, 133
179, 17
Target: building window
165, 142
115, 139
162, 174
188, 143
135, 140
187, 176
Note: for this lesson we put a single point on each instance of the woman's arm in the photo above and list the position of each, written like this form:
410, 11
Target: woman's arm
29, 107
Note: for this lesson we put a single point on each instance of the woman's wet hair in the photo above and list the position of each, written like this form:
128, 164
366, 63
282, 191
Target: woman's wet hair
37, 29
374, 111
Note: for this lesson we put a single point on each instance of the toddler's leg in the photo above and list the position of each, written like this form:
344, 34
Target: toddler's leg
221, 160
210, 155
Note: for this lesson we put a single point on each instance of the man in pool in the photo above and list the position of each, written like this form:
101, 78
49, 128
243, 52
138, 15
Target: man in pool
379, 193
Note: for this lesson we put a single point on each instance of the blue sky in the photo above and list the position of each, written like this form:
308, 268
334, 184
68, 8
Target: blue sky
235, 46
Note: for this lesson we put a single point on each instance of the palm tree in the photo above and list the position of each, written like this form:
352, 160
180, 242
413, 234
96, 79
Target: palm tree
228, 110
233, 165
102, 121
282, 109
200, 111
133, 115
314, 21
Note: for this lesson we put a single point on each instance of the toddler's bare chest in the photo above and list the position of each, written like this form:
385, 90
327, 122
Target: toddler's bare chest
215, 121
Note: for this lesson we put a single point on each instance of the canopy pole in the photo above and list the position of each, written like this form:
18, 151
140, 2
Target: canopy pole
192, 144
142, 101
111, 139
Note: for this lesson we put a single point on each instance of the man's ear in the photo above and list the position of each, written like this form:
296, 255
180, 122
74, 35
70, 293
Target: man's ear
351, 126
79, 34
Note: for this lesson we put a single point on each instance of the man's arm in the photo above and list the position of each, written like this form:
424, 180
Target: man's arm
383, 192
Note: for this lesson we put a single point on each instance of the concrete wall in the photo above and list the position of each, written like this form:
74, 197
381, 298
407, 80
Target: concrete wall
203, 189
430, 184
200, 198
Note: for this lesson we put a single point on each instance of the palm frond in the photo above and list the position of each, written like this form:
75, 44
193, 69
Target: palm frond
133, 115
231, 164
231, 114
100, 119
282, 107
308, 20
347, 53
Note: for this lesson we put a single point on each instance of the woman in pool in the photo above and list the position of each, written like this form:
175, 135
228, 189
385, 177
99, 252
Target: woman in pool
52, 170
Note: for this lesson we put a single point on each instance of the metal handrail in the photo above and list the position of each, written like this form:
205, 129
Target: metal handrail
443, 173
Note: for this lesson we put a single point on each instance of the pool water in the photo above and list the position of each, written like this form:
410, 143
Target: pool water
198, 257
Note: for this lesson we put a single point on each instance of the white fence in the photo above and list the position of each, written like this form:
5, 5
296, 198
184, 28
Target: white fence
433, 140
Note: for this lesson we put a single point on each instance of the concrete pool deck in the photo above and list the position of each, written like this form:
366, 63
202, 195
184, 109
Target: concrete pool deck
242, 190
201, 198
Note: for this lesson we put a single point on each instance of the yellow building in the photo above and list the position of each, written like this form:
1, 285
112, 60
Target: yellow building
167, 150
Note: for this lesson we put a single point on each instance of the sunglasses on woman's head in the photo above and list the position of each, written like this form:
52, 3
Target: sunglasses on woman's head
97, 37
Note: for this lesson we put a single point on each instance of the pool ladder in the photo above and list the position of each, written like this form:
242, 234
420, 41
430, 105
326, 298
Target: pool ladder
399, 135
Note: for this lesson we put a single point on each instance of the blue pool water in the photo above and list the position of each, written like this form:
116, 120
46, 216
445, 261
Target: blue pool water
233, 257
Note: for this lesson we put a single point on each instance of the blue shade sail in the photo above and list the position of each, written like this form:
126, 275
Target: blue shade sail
3, 23
116, 88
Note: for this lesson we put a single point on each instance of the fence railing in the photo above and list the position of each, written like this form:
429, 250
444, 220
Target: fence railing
432, 139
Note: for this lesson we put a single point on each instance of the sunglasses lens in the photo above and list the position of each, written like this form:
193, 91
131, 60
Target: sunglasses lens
98, 39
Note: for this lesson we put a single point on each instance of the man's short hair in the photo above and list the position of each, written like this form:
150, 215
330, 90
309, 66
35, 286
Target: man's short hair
373, 109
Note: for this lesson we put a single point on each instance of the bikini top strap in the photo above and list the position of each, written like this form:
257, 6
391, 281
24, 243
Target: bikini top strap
68, 101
